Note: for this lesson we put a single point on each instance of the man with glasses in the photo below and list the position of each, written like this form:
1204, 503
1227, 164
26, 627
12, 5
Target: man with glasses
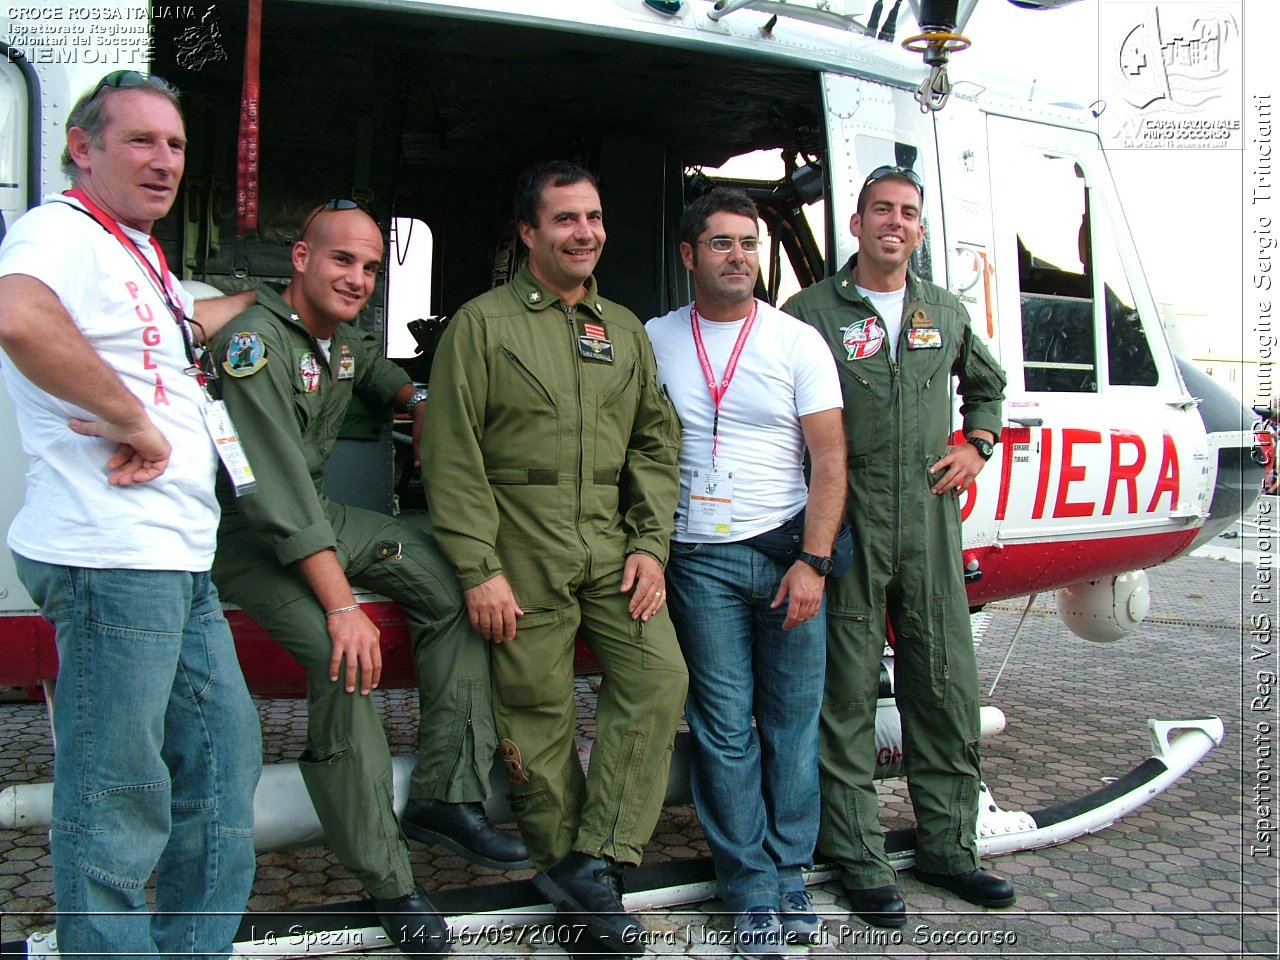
898, 340
158, 745
550, 460
290, 557
755, 388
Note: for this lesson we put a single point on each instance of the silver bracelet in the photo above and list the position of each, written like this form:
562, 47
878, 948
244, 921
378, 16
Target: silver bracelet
334, 613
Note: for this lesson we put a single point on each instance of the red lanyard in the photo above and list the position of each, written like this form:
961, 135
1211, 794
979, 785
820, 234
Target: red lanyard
718, 390
159, 279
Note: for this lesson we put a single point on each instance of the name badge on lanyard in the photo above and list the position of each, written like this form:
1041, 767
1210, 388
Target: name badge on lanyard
217, 420
710, 506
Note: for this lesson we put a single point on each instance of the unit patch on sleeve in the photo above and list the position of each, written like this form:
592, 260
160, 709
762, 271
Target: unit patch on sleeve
246, 354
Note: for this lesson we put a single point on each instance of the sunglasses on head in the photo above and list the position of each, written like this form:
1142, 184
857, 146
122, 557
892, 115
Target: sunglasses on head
120, 80
879, 173
334, 203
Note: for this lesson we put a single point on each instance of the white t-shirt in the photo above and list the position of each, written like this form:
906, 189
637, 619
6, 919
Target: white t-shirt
889, 306
71, 515
785, 372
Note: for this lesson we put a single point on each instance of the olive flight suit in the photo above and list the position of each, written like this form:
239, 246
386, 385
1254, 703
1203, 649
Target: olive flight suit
288, 403
908, 565
551, 454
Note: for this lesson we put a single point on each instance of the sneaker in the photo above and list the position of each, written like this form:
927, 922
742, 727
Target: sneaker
757, 933
799, 922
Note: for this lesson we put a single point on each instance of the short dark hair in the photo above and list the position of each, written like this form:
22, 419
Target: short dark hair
718, 200
893, 177
531, 183
88, 113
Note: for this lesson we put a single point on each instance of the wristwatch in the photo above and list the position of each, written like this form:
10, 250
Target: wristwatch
416, 398
985, 448
822, 564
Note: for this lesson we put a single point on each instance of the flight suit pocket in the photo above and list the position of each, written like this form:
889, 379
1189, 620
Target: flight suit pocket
853, 676
612, 389
522, 381
922, 655
537, 667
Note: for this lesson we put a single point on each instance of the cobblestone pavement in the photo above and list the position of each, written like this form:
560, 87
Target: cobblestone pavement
1194, 873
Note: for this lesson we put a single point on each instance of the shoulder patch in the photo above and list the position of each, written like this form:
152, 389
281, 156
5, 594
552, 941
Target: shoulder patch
246, 354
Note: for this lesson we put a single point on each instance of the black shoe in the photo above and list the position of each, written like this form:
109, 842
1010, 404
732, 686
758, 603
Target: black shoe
878, 906
589, 889
465, 829
979, 886
413, 924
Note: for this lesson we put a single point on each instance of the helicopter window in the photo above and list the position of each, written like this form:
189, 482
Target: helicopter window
1048, 199
409, 249
1129, 359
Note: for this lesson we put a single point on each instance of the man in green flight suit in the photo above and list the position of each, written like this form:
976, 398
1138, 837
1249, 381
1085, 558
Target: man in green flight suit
552, 473
898, 340
289, 557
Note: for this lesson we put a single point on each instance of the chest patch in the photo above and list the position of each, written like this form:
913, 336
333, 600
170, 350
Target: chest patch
593, 348
246, 354
308, 371
346, 364
924, 338
862, 338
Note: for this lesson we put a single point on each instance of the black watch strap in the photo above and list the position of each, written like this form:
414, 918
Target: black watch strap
822, 564
985, 448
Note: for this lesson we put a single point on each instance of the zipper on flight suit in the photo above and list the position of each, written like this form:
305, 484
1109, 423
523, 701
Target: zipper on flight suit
581, 428
895, 396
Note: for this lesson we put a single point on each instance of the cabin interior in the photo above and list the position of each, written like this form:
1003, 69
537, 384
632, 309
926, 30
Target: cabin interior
428, 120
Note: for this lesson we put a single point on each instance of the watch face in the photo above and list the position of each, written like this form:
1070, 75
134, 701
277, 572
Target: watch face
984, 447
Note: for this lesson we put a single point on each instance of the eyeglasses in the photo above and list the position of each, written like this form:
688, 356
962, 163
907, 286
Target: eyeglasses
879, 173
120, 80
725, 244
334, 203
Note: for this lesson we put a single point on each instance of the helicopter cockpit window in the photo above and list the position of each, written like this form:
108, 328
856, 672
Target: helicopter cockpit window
1129, 358
1054, 274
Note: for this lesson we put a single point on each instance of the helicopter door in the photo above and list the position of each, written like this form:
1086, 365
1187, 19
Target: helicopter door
1102, 439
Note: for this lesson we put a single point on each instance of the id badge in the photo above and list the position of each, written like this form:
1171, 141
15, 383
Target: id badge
710, 502
594, 348
924, 338
218, 421
346, 364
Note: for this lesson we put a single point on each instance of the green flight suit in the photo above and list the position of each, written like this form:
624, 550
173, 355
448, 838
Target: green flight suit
287, 412
907, 565
550, 455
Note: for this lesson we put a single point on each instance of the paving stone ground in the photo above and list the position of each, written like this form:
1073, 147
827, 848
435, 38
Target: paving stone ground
1185, 876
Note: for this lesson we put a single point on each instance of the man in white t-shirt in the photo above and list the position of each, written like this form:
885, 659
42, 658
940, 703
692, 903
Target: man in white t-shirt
754, 389
158, 740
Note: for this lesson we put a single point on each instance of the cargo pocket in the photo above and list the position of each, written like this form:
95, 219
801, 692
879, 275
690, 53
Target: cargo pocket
537, 667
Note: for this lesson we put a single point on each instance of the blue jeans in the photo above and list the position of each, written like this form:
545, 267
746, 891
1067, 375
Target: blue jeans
755, 788
157, 758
